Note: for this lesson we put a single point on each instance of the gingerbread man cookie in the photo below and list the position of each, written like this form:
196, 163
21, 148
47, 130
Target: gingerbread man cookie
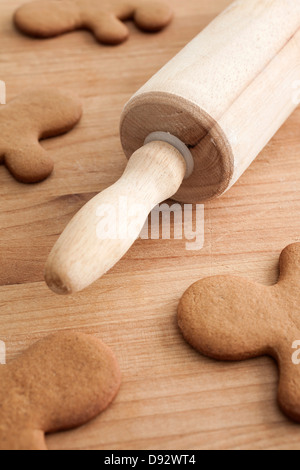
32, 116
104, 18
59, 383
228, 318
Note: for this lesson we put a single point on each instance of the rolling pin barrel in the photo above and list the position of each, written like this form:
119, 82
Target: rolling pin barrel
223, 97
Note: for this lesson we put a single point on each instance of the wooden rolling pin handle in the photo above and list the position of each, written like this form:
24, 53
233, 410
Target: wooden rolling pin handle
106, 227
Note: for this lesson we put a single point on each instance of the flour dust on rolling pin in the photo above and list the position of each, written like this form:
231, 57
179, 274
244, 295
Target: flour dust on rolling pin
166, 221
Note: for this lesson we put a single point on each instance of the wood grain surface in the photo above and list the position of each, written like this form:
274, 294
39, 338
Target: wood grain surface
171, 397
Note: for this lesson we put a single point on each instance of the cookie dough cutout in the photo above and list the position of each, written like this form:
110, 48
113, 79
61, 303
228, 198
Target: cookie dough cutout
59, 383
24, 121
233, 319
104, 18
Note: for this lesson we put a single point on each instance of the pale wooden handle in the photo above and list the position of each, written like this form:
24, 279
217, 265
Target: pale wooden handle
104, 230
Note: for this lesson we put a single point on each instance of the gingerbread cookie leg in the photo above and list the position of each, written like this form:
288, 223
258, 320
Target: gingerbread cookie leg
29, 163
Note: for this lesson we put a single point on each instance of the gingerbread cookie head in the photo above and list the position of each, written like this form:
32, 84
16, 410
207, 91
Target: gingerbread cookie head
104, 18
228, 318
59, 383
24, 121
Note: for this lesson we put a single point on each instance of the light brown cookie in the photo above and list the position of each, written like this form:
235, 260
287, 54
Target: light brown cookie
229, 318
30, 117
104, 18
59, 383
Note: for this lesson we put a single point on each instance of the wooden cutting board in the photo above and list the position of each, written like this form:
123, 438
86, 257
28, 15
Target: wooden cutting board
171, 397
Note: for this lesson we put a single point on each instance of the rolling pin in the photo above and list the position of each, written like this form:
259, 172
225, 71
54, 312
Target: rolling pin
191, 131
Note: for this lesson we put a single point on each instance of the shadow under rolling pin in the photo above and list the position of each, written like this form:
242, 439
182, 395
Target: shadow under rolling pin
222, 98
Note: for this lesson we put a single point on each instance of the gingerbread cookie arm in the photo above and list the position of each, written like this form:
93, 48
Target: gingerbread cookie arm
48, 18
29, 163
32, 116
220, 317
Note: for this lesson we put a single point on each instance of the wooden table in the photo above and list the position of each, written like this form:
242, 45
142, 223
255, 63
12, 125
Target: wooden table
171, 397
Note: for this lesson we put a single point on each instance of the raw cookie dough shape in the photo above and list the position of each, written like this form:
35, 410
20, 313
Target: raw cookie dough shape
30, 117
104, 18
229, 318
59, 383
